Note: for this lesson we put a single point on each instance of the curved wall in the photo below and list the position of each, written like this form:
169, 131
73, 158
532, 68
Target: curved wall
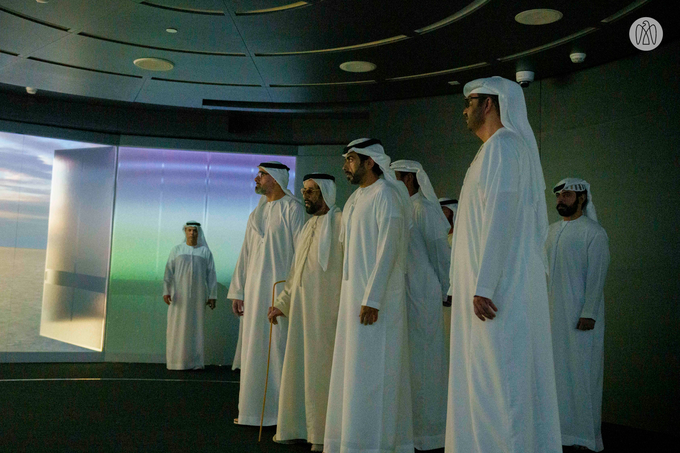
615, 125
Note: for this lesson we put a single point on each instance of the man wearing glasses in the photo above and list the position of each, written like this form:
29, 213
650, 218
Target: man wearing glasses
501, 379
266, 256
310, 302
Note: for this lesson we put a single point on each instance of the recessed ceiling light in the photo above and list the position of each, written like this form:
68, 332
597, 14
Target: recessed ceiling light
358, 66
31, 90
171, 30
41, 1
538, 16
154, 64
454, 82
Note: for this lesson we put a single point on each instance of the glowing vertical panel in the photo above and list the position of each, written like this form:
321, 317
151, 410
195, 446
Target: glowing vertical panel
78, 246
156, 192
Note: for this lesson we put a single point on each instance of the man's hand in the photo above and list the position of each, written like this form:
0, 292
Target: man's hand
484, 308
237, 307
211, 303
167, 299
368, 315
274, 313
585, 324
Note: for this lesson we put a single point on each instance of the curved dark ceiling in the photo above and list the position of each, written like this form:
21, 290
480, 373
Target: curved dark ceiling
287, 51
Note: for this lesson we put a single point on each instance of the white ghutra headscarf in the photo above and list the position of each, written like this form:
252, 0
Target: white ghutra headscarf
372, 148
201, 242
411, 166
280, 173
578, 185
513, 111
450, 203
328, 190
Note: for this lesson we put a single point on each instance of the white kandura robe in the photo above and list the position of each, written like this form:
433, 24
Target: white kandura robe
264, 260
189, 280
427, 282
447, 310
310, 301
578, 253
236, 363
369, 404
501, 376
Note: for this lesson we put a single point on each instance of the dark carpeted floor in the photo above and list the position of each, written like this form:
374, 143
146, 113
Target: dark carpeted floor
145, 408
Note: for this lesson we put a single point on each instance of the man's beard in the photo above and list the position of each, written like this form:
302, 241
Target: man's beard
475, 120
357, 176
260, 190
567, 211
313, 207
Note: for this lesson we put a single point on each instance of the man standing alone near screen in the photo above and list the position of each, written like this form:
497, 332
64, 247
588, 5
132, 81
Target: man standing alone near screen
189, 285
266, 257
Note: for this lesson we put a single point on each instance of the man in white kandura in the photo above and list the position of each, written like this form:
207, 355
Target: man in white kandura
266, 257
310, 301
189, 284
578, 255
449, 207
427, 284
369, 404
501, 375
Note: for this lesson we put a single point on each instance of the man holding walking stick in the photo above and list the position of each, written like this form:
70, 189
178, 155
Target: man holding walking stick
266, 257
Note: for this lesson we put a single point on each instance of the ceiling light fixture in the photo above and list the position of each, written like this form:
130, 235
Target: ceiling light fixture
538, 16
43, 2
171, 30
154, 64
550, 45
272, 10
469, 9
31, 90
358, 66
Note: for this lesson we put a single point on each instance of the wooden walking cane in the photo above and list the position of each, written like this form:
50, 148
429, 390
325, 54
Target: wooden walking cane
266, 380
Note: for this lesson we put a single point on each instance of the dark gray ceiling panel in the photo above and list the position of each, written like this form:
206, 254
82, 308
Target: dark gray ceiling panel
192, 95
69, 14
144, 25
6, 59
187, 5
87, 52
218, 48
21, 36
61, 79
340, 93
